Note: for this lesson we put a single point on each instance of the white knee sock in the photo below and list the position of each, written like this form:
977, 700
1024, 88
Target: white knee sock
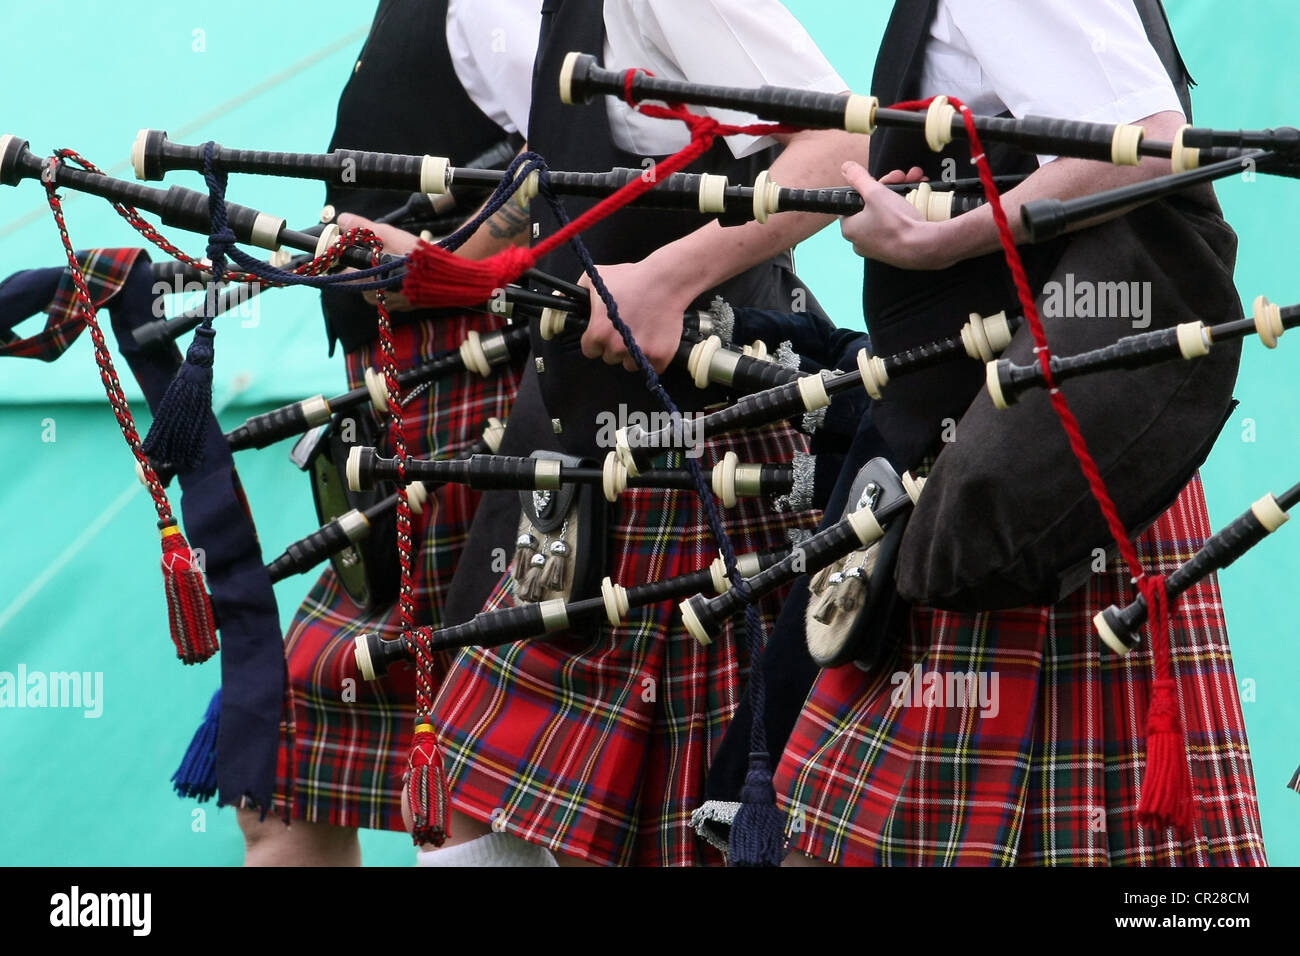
494, 849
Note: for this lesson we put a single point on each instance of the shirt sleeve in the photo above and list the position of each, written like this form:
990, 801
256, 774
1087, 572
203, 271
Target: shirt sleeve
1087, 61
493, 44
724, 42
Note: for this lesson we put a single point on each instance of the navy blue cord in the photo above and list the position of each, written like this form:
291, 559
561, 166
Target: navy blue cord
511, 180
220, 236
222, 241
753, 626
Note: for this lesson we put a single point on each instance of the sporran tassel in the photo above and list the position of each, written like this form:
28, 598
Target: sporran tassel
530, 588
824, 612
556, 567
849, 595
819, 580
525, 548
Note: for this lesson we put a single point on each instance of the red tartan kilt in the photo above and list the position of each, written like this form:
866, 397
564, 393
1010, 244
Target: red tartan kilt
598, 748
350, 737
1047, 770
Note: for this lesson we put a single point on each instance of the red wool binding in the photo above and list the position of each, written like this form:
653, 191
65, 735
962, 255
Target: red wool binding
1167, 783
426, 789
188, 609
426, 784
436, 278
1167, 791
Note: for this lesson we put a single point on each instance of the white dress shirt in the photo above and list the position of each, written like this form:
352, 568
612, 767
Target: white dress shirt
1076, 59
731, 42
493, 44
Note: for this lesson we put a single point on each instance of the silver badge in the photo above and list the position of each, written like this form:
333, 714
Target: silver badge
541, 501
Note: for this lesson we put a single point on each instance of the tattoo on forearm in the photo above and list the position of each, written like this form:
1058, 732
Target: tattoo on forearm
508, 222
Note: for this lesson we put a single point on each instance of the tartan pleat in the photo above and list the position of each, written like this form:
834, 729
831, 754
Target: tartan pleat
597, 746
105, 272
1049, 771
350, 737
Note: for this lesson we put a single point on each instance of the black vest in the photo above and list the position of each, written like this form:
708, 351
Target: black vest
403, 97
579, 138
905, 308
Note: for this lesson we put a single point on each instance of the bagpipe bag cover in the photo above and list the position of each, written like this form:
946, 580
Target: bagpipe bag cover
1007, 519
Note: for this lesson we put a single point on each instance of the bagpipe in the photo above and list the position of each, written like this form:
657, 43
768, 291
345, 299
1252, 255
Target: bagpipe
421, 213
374, 655
561, 313
730, 479
861, 527
1119, 627
153, 155
346, 522
708, 357
1007, 381
982, 538
1048, 218
176, 206
582, 79
242, 604
981, 338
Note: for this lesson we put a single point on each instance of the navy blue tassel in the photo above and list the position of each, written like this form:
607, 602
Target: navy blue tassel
758, 831
179, 425
196, 777
177, 433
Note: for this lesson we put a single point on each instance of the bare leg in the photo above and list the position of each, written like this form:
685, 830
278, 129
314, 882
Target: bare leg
270, 843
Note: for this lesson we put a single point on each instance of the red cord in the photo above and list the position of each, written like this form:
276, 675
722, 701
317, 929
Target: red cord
190, 619
438, 278
326, 261
1167, 787
104, 359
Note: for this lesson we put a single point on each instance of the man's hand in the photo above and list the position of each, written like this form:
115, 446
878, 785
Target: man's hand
396, 242
890, 229
652, 306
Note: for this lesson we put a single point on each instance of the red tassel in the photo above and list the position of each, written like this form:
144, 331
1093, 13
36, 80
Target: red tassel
426, 789
194, 632
436, 278
1166, 782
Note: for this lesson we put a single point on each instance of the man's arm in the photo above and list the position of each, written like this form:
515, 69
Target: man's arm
889, 230
654, 293
508, 226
